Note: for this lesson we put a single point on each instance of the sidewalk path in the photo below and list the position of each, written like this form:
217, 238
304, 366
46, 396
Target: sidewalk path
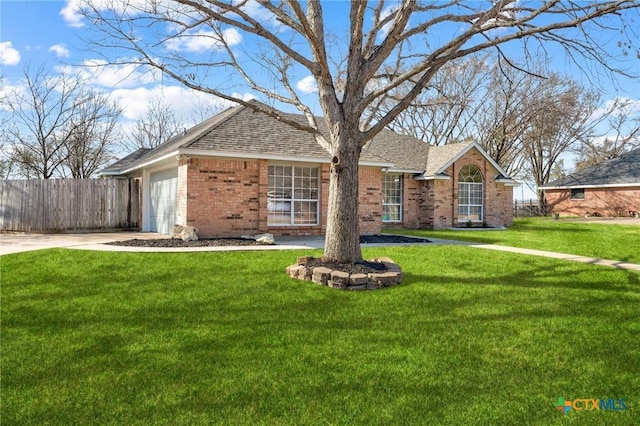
563, 256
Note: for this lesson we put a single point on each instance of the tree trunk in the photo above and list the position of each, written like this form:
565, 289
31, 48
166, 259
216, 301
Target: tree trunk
542, 202
342, 240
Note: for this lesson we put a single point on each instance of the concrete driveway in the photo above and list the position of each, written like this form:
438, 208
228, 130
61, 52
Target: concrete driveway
20, 242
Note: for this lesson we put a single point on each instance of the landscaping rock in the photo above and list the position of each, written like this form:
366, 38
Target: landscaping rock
338, 285
359, 279
265, 238
347, 276
385, 279
305, 273
341, 278
294, 270
185, 233
321, 275
357, 287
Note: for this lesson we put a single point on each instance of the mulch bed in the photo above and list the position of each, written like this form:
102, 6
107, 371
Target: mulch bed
363, 267
221, 242
175, 242
390, 239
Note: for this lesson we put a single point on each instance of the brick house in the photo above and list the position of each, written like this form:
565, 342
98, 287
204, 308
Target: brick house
243, 172
610, 188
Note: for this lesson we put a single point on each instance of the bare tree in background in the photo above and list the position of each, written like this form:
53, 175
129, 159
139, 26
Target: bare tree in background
623, 134
203, 111
41, 111
387, 45
93, 130
157, 125
56, 127
563, 118
503, 114
444, 111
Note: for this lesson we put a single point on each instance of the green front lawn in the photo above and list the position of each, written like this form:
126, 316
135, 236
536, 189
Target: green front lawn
470, 337
616, 242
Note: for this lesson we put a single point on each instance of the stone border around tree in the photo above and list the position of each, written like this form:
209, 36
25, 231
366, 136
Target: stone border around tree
346, 281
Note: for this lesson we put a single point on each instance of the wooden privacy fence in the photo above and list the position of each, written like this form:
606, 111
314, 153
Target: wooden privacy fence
69, 204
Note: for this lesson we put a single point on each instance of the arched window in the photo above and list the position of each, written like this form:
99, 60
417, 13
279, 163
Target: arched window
470, 190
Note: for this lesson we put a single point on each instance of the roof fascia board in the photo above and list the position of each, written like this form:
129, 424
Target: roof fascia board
206, 153
433, 177
296, 159
507, 182
396, 170
151, 162
613, 185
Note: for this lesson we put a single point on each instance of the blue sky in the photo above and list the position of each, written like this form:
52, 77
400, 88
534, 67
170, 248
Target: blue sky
47, 33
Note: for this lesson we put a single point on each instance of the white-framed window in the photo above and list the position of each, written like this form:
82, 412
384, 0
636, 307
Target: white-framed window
391, 197
470, 194
292, 197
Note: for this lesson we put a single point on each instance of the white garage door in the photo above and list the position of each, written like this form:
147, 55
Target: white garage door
163, 191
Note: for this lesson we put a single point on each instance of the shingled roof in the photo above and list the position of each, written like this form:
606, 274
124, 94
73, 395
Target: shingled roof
620, 171
242, 132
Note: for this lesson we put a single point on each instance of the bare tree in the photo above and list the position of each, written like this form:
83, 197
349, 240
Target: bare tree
92, 133
41, 111
563, 117
444, 111
387, 45
502, 116
622, 135
156, 126
56, 126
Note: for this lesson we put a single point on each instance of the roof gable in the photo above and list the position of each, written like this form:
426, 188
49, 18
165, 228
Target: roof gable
441, 157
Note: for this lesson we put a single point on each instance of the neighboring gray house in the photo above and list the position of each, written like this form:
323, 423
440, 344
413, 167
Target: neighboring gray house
610, 188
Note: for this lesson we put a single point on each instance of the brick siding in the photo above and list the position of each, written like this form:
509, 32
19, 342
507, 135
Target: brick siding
370, 198
228, 198
610, 202
433, 204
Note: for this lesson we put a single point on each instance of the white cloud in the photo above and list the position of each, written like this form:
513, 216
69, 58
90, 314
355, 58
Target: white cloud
387, 27
618, 106
8, 92
624, 105
60, 50
201, 40
261, 14
183, 101
98, 72
307, 85
505, 17
71, 14
8, 55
